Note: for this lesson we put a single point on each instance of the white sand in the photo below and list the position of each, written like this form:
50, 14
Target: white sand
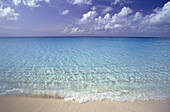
30, 104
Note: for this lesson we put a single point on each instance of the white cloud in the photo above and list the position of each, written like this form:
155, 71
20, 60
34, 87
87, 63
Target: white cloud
8, 14
76, 30
116, 2
108, 22
65, 30
34, 3
137, 16
124, 12
103, 9
87, 17
118, 22
65, 12
108, 26
160, 15
30, 3
73, 30
16, 2
107, 9
93, 8
73, 2
121, 2
126, 21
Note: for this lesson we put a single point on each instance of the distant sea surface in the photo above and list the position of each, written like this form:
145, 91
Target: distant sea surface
86, 68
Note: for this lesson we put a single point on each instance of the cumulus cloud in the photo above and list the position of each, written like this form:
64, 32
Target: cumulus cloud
8, 14
124, 12
76, 30
73, 2
93, 8
87, 17
30, 3
160, 15
121, 2
16, 2
66, 30
128, 21
65, 12
116, 2
101, 9
107, 9
73, 30
108, 22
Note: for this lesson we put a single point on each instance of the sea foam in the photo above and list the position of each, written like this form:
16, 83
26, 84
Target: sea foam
86, 69
81, 97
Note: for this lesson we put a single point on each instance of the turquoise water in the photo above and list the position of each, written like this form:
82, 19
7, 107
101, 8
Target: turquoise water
86, 69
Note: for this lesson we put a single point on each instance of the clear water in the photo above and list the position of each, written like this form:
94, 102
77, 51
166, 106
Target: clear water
86, 69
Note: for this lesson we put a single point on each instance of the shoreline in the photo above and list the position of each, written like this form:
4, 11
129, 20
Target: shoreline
62, 98
39, 104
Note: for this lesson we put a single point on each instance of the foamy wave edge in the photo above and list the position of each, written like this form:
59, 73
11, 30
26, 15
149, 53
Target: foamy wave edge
81, 97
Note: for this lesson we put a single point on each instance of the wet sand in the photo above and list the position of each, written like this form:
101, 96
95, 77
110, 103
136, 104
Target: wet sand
32, 104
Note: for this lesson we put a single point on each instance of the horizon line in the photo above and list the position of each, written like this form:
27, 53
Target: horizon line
84, 36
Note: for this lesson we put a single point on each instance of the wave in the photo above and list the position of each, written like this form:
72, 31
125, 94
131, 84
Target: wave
81, 97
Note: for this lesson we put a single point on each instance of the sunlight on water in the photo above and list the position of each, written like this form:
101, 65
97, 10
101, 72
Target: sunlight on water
85, 69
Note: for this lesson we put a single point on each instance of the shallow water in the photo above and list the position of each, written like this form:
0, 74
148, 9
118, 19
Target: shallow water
86, 69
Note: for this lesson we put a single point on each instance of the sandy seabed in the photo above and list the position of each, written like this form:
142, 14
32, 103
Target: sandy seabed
32, 104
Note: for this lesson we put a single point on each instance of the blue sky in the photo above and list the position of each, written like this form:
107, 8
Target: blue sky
85, 18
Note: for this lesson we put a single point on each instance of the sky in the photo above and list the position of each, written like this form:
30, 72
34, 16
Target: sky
142, 18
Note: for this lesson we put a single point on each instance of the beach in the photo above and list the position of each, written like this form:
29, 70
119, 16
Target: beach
84, 75
84, 55
34, 104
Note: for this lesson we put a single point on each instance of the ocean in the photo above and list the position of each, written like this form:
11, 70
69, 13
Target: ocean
86, 68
